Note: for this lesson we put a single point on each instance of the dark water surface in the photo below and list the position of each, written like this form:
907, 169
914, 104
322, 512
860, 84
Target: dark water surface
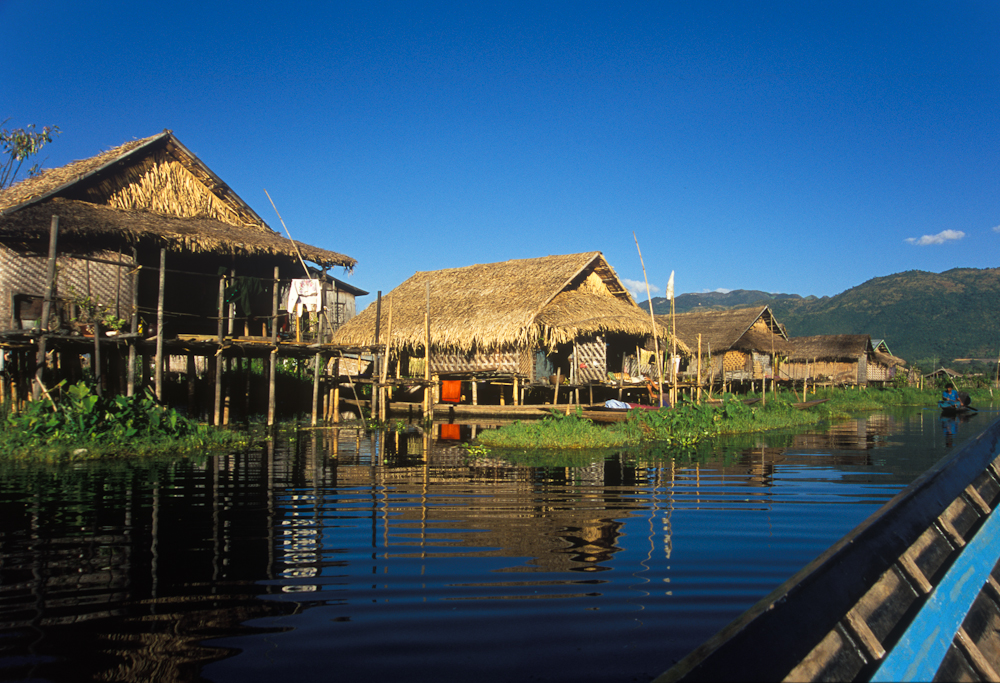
340, 556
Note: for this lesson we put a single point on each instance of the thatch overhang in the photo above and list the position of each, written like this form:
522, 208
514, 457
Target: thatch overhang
103, 225
149, 190
577, 313
500, 305
830, 347
737, 329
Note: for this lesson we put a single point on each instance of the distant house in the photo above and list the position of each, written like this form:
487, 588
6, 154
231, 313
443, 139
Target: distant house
529, 318
943, 373
740, 342
116, 211
341, 298
845, 359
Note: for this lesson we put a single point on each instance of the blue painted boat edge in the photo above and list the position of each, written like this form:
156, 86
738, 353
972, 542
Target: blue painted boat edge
919, 653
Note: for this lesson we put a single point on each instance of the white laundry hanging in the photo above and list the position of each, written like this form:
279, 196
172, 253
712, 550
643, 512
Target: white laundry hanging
305, 294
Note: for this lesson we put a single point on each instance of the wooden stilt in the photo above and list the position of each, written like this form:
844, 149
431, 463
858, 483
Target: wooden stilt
315, 401
220, 365
191, 386
428, 399
50, 284
274, 352
699, 369
98, 365
130, 389
158, 370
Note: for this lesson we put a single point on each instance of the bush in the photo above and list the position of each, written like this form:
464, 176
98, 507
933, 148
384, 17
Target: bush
83, 421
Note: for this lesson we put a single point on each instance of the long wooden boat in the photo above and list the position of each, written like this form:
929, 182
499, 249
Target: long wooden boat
951, 409
913, 593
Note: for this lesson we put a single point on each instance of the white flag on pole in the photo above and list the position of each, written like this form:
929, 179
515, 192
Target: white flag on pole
670, 287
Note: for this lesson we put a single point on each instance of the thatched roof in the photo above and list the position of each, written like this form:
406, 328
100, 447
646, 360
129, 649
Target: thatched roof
153, 189
830, 347
738, 329
523, 303
838, 347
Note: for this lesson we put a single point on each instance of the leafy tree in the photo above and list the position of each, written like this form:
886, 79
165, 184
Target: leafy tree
17, 146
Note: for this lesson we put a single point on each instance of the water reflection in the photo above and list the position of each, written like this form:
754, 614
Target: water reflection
402, 554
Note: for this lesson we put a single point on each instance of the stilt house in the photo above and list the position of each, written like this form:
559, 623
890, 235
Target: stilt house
840, 359
531, 319
116, 211
736, 344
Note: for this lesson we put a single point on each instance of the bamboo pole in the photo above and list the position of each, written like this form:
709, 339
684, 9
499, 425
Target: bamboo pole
673, 343
274, 351
377, 357
428, 394
383, 401
130, 389
50, 283
652, 320
220, 332
315, 402
699, 368
159, 326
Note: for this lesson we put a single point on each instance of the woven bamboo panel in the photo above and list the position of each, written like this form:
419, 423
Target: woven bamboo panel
526, 362
21, 274
592, 362
497, 361
734, 360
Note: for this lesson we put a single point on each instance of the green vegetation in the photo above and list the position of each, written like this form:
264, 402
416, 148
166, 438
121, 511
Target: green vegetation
81, 424
684, 427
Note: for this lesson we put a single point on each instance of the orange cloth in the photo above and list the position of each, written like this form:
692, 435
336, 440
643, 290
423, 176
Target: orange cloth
451, 391
451, 432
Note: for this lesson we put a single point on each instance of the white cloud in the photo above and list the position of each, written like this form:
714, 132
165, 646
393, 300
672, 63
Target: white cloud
720, 290
996, 228
940, 238
637, 288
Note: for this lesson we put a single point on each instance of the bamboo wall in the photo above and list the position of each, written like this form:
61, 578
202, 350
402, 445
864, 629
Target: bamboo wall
22, 273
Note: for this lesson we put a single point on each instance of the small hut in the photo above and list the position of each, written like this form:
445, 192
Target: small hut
736, 344
844, 359
529, 319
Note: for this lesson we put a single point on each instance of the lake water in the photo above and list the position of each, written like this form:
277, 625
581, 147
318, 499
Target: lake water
335, 555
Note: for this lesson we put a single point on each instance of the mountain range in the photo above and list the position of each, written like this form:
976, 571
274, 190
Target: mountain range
927, 319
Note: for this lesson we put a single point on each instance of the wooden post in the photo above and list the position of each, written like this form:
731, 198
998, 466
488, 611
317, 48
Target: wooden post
517, 388
428, 398
699, 368
50, 283
555, 395
98, 365
376, 357
192, 396
220, 364
130, 390
159, 327
274, 351
315, 407
475, 391
384, 401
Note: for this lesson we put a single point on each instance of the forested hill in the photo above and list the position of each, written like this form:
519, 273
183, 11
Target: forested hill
925, 318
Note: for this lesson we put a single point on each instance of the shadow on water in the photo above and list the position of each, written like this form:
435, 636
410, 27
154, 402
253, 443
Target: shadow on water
340, 554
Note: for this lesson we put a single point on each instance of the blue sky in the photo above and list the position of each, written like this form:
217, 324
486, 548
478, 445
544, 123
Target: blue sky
797, 147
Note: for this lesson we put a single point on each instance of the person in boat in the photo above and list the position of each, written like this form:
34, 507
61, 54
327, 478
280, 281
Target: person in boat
950, 396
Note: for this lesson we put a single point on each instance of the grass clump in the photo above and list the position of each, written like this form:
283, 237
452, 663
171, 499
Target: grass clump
555, 431
81, 424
